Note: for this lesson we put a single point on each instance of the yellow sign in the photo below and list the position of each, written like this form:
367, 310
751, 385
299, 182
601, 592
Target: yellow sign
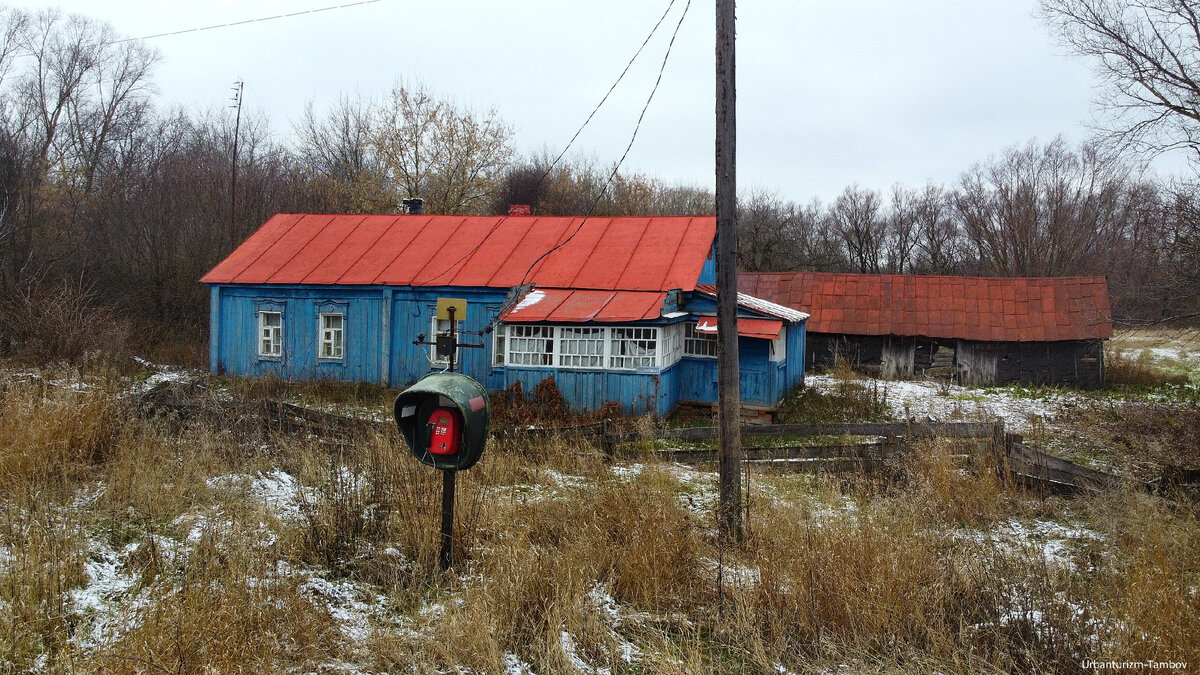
444, 305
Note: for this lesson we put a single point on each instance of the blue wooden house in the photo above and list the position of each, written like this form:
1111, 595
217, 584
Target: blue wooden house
615, 309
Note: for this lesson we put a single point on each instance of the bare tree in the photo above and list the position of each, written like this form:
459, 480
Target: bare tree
901, 229
938, 236
339, 150
1043, 210
449, 156
1147, 53
856, 219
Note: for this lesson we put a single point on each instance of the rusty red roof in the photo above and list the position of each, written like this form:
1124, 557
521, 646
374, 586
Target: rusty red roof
1015, 309
566, 305
645, 254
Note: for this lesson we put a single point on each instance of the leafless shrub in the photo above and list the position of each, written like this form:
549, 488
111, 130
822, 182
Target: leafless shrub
61, 323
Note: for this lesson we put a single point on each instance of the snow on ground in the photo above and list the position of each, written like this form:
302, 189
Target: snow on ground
103, 598
276, 489
349, 605
942, 402
1051, 541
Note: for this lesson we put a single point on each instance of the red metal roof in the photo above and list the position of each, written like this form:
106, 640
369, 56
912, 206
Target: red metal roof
1016, 309
642, 254
767, 329
566, 305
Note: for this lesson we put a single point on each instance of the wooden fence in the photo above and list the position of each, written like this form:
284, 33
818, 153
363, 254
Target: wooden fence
828, 448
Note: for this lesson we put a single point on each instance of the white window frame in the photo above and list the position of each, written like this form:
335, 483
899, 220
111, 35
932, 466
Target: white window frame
625, 342
499, 345
270, 337
527, 345
671, 345
437, 326
699, 344
331, 340
584, 347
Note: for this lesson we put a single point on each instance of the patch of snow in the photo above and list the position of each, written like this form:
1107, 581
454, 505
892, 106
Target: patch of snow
605, 602
276, 489
567, 644
1051, 540
674, 315
101, 599
532, 298
565, 480
737, 574
352, 615
941, 402
280, 491
627, 472
629, 652
515, 666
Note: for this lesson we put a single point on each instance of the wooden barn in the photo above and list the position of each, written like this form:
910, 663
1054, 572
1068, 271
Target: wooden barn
977, 330
615, 309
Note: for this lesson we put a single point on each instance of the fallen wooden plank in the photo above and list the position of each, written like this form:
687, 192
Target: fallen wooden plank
1040, 463
897, 429
842, 451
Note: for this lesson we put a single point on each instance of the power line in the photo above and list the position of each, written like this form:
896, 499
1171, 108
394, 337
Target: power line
625, 154
579, 131
247, 21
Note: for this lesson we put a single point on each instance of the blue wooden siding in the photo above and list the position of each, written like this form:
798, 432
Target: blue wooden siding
708, 273
412, 315
698, 379
638, 393
794, 371
762, 381
235, 348
380, 325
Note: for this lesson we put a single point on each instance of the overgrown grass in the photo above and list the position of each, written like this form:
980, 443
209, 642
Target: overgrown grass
850, 400
1141, 371
134, 545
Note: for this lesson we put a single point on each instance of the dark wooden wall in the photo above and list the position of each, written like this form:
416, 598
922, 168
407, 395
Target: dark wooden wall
1077, 363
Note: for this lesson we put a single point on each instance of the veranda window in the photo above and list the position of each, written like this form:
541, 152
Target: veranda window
632, 348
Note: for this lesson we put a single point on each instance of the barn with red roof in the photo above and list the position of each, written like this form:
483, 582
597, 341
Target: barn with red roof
978, 330
615, 309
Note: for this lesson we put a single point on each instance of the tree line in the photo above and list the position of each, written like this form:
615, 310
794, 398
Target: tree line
112, 207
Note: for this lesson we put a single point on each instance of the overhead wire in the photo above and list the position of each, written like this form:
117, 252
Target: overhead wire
247, 21
611, 176
567, 147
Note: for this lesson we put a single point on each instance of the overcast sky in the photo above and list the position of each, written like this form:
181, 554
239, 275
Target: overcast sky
830, 93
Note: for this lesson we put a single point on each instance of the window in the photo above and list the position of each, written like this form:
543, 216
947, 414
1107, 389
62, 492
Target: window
498, 338
332, 336
672, 345
442, 327
531, 345
696, 343
581, 347
632, 348
270, 334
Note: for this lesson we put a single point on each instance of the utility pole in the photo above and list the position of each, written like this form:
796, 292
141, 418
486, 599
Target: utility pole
236, 102
729, 400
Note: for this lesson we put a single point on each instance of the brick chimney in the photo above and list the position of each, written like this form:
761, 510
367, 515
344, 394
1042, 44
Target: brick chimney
414, 206
520, 210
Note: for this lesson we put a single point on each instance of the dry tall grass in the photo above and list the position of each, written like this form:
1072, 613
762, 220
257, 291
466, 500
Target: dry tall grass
561, 561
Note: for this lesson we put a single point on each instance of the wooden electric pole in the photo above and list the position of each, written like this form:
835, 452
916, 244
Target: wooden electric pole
237, 127
729, 398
